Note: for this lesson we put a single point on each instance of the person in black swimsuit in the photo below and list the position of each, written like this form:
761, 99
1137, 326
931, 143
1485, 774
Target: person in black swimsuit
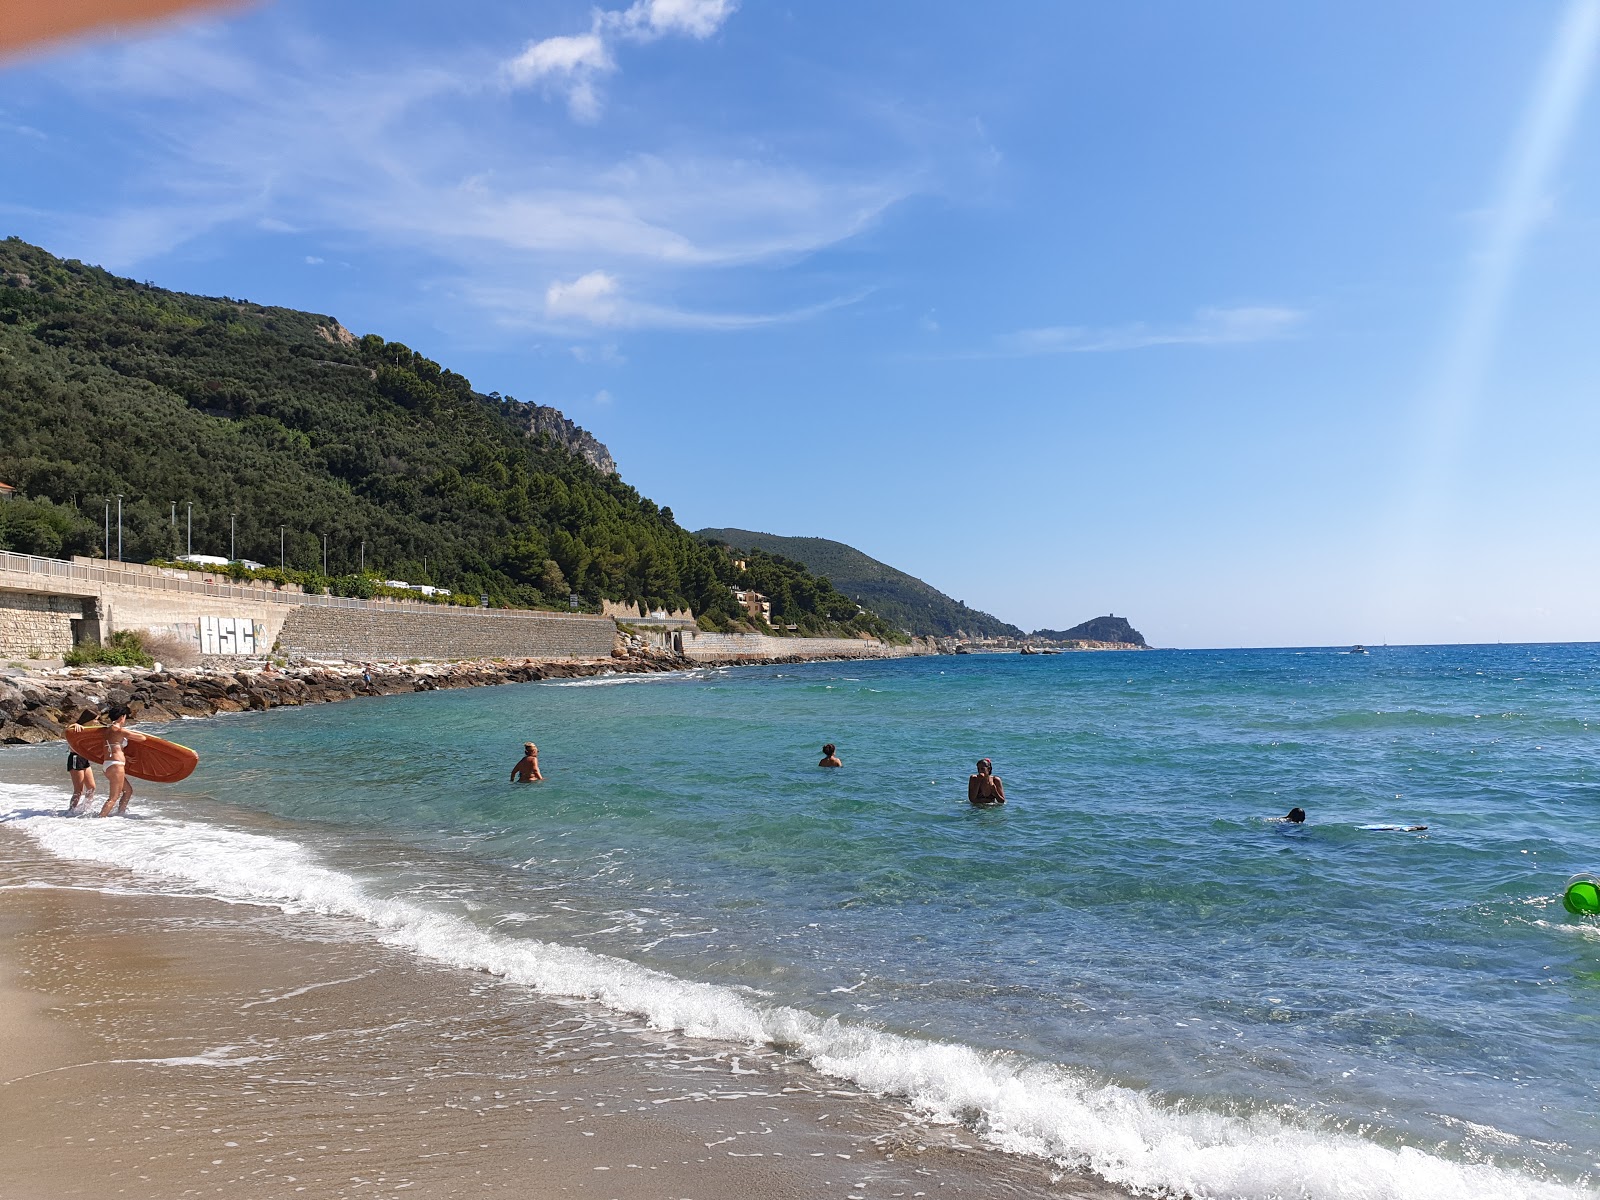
984, 790
82, 772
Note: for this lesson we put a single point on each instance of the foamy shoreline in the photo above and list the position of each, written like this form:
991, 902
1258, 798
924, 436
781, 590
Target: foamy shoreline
177, 1043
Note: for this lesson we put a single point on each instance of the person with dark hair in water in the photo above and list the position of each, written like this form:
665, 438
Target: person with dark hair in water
985, 790
1296, 816
117, 737
830, 756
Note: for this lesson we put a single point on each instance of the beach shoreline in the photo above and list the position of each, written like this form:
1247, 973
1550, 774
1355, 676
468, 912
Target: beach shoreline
160, 1045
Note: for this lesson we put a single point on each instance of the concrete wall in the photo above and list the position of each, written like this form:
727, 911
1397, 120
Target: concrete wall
184, 616
723, 647
359, 635
37, 626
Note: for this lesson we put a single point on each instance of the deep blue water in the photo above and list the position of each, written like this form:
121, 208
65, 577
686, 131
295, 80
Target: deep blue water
1133, 914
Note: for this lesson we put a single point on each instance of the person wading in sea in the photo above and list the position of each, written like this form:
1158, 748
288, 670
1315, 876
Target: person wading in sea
82, 772
118, 790
985, 790
830, 756
527, 768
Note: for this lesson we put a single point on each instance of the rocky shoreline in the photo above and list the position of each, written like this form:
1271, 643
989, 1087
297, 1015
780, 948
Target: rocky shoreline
38, 706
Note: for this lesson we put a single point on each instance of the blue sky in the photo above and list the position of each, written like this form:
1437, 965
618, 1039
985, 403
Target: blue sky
1258, 323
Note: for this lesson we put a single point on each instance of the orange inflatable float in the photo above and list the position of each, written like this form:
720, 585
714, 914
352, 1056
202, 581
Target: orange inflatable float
151, 758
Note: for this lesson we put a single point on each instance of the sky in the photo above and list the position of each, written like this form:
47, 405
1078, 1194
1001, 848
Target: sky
1255, 323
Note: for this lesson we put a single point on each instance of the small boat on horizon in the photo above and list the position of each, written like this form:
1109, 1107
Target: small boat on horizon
1356, 650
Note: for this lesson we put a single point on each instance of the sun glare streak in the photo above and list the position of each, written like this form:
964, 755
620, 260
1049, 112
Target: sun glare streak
1521, 202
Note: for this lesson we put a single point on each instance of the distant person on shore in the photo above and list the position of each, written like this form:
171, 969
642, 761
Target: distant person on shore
81, 771
527, 768
985, 789
830, 756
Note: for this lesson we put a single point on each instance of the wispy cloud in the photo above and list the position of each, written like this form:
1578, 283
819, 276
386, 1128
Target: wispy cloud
1208, 327
597, 300
425, 159
573, 64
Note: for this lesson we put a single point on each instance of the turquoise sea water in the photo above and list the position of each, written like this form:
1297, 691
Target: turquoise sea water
1129, 967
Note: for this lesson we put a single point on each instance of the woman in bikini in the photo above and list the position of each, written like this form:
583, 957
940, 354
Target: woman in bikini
984, 790
118, 790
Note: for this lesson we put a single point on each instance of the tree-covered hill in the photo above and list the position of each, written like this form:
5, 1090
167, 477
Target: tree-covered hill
280, 420
1099, 629
901, 599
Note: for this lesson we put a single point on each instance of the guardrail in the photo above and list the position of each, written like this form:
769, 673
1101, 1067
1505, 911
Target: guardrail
165, 579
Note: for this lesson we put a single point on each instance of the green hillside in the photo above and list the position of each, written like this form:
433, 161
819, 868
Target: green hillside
284, 423
1099, 629
902, 600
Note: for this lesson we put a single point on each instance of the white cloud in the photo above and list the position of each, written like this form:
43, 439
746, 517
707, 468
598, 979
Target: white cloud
574, 63
592, 298
649, 19
570, 63
1209, 327
603, 398
313, 261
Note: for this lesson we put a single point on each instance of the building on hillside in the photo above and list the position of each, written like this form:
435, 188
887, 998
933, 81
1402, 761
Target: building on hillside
7, 492
754, 603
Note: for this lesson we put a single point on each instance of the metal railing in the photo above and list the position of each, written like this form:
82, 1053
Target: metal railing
166, 579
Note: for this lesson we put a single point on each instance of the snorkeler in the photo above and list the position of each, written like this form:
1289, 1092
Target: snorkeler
830, 756
985, 790
527, 768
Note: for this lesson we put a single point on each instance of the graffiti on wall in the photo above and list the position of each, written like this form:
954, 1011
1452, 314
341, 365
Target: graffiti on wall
229, 635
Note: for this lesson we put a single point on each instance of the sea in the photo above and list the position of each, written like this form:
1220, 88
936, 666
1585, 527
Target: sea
1133, 969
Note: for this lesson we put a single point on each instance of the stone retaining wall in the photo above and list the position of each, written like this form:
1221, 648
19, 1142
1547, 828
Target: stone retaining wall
358, 635
699, 646
33, 626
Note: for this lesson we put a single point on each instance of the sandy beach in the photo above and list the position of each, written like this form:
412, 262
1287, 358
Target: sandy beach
162, 1046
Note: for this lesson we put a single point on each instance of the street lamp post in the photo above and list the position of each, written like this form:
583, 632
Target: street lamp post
190, 551
324, 556
107, 543
280, 548
119, 526
363, 558
233, 553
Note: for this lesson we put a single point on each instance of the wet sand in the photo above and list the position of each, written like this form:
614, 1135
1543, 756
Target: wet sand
163, 1046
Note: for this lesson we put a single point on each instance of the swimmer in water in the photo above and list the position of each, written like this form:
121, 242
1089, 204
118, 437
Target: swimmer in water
527, 768
830, 756
1296, 816
985, 790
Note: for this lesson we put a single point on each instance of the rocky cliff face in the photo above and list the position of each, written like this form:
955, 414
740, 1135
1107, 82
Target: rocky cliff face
536, 419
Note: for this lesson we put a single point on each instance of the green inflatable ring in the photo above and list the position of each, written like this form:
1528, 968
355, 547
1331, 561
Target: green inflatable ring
1582, 897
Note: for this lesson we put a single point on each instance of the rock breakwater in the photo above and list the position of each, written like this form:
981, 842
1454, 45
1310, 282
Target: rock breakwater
38, 707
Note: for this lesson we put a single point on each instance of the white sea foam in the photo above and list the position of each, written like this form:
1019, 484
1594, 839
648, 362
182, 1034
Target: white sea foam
613, 680
1028, 1107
